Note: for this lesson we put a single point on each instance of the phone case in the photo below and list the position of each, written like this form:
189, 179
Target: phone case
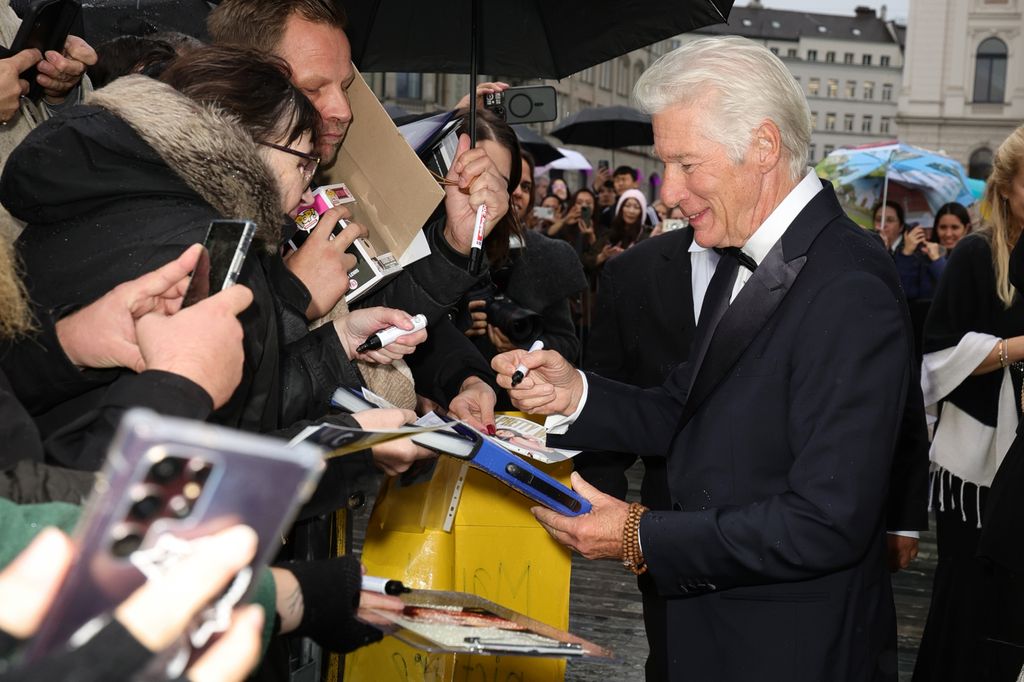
45, 26
168, 481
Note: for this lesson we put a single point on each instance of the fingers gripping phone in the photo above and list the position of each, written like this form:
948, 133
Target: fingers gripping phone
45, 26
586, 212
224, 249
166, 483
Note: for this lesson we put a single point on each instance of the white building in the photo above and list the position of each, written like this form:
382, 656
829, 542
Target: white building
963, 83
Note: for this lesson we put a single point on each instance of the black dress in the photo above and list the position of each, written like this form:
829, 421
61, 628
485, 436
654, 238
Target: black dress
955, 643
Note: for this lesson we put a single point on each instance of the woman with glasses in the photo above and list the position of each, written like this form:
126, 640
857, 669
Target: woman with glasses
124, 184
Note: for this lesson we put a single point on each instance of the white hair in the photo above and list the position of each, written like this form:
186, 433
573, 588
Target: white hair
746, 84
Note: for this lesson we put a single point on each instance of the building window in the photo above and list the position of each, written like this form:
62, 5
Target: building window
830, 121
775, 51
833, 87
814, 120
813, 86
980, 164
408, 85
851, 89
791, 53
622, 79
886, 92
866, 60
865, 124
883, 125
848, 123
812, 55
812, 152
828, 149
869, 89
883, 60
830, 57
990, 71
587, 75
604, 76
847, 58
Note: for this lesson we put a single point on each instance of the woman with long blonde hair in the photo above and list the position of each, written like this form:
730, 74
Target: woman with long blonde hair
972, 370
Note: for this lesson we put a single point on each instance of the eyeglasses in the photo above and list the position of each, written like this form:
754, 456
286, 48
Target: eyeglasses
310, 161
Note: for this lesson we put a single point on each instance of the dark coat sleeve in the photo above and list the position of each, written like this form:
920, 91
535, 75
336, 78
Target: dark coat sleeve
907, 508
444, 361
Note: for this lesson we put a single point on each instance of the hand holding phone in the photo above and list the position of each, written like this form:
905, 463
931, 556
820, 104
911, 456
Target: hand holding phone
220, 265
44, 27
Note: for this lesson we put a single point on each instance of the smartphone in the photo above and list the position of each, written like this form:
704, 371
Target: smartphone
672, 224
167, 482
543, 213
225, 247
529, 104
45, 26
602, 165
585, 213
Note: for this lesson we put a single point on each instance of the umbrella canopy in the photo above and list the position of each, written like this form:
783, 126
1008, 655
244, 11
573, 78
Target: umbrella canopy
862, 175
607, 128
107, 19
517, 38
571, 160
543, 151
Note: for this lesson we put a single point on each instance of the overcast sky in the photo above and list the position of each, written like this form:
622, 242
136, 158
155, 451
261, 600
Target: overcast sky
896, 9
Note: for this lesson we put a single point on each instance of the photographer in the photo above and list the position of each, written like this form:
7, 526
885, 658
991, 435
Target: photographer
532, 276
919, 261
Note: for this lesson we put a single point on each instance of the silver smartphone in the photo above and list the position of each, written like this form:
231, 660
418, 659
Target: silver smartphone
220, 265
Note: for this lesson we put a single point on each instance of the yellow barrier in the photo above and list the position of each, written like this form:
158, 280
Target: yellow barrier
496, 549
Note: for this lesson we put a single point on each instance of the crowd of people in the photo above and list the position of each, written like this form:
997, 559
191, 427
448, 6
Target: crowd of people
770, 361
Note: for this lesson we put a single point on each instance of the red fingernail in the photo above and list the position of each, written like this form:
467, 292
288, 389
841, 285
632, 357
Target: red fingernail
491, 431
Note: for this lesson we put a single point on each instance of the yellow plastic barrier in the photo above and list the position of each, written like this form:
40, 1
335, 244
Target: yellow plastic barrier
496, 549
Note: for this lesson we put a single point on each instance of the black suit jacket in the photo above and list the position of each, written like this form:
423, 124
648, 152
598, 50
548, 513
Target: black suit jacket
779, 462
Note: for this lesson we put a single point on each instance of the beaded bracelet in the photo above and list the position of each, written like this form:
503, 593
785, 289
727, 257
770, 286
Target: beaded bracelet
632, 557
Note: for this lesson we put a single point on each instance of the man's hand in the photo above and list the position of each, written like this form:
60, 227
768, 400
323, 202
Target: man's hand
552, 386
603, 175
596, 534
478, 318
476, 181
202, 343
395, 456
354, 328
475, 404
322, 264
902, 550
59, 73
102, 334
12, 85
498, 339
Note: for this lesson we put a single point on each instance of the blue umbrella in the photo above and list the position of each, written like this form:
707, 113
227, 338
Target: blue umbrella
864, 174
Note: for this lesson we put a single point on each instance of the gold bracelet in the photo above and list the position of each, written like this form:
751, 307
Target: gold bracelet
632, 556
1003, 356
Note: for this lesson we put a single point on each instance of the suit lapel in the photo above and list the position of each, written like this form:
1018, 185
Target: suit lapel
758, 300
673, 277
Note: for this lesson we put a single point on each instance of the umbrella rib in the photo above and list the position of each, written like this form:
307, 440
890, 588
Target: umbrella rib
718, 11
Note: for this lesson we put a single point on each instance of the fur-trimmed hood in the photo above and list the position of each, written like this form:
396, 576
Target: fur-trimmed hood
204, 145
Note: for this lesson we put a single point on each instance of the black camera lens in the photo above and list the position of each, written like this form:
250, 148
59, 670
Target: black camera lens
180, 506
166, 470
146, 507
520, 325
127, 539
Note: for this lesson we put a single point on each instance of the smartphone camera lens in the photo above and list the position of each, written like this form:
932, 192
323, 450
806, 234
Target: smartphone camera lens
146, 507
127, 539
166, 470
180, 506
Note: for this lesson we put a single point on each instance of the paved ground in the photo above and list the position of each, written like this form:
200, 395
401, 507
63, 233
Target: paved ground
605, 608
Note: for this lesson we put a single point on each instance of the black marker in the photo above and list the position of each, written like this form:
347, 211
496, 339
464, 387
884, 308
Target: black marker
522, 370
388, 335
383, 586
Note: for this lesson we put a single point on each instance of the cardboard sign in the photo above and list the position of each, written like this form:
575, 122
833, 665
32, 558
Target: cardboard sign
395, 193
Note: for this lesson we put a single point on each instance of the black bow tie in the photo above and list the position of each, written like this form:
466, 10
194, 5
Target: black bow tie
737, 253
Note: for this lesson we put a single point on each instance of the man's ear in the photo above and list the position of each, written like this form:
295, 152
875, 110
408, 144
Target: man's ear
767, 145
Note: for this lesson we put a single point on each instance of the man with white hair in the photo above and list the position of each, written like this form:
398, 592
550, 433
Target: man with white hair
779, 431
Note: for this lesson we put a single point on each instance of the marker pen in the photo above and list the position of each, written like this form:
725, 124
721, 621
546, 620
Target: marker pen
521, 370
476, 249
389, 334
372, 583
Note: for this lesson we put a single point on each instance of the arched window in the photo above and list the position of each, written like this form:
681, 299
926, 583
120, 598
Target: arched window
990, 71
980, 165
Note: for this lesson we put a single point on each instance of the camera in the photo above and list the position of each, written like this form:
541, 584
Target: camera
521, 325
532, 104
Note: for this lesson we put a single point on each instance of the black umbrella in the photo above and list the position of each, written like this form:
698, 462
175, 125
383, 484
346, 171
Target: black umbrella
108, 19
516, 38
607, 128
543, 151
